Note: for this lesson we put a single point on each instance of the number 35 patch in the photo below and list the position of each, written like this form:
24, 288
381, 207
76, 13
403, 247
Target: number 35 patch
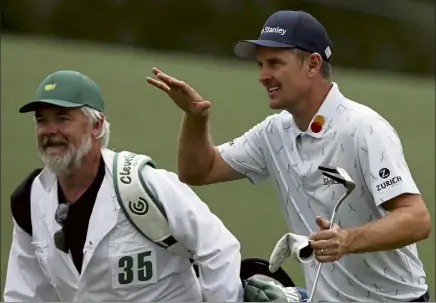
134, 269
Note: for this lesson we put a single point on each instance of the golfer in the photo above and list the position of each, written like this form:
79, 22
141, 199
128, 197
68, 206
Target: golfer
72, 241
371, 251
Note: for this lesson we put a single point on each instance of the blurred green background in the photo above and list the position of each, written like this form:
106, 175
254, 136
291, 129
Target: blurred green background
392, 72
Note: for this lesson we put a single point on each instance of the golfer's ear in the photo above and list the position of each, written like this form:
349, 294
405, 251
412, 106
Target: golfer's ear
315, 63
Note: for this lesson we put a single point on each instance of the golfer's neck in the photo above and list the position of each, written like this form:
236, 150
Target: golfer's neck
80, 177
307, 108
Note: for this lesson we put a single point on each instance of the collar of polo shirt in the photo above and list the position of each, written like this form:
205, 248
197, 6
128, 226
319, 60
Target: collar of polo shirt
324, 118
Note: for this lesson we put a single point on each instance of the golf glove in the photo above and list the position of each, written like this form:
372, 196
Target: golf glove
292, 245
261, 288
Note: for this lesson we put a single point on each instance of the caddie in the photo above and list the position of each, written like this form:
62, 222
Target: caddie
371, 252
74, 240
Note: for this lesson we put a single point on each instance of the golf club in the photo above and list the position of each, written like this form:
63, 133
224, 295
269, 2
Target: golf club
342, 177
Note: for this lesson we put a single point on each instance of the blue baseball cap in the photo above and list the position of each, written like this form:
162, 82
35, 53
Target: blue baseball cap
289, 29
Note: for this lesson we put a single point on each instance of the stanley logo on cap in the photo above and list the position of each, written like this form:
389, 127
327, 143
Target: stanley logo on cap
276, 30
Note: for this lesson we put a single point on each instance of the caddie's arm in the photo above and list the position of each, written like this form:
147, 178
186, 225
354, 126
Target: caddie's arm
215, 248
388, 178
25, 281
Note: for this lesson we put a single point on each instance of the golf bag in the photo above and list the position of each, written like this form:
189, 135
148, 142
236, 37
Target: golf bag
147, 214
258, 266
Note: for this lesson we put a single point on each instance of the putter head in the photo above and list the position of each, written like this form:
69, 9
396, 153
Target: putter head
339, 175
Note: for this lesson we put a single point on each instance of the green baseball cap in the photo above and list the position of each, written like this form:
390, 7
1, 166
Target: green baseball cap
67, 88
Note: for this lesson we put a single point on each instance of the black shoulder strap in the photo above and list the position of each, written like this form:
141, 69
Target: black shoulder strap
20, 202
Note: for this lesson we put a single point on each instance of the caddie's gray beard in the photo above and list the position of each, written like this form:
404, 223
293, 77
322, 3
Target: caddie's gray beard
61, 164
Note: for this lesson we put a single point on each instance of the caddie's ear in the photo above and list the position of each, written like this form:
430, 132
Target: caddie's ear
97, 126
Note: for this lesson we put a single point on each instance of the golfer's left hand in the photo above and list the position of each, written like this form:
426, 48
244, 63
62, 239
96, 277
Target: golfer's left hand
329, 244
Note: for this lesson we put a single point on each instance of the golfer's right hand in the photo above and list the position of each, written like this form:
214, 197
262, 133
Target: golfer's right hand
180, 92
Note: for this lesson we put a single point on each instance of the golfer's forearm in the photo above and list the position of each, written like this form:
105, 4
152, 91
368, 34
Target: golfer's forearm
196, 151
397, 229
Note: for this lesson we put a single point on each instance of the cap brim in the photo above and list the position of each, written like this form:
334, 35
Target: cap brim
246, 49
31, 106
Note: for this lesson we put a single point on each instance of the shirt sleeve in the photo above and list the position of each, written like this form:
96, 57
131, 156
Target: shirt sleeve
216, 250
382, 161
246, 154
25, 281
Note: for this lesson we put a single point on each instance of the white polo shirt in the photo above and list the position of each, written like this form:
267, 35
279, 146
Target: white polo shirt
359, 140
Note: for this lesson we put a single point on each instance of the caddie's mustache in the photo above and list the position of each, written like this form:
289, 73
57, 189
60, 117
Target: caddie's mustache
50, 141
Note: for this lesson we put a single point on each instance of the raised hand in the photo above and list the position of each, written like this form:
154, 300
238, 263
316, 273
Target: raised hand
186, 98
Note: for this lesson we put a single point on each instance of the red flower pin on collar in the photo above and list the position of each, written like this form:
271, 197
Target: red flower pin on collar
317, 124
